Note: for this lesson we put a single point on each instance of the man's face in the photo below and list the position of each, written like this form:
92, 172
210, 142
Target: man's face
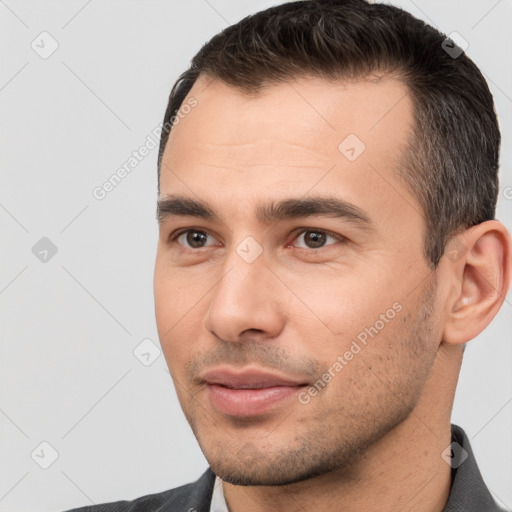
336, 310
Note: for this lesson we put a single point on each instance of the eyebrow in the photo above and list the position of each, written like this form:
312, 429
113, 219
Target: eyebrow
268, 213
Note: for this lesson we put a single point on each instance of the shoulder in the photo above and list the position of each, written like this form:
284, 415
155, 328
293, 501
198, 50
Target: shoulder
195, 496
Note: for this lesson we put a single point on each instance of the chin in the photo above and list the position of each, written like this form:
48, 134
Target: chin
267, 471
248, 476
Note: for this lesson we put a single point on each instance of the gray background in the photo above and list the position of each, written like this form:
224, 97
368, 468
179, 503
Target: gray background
70, 325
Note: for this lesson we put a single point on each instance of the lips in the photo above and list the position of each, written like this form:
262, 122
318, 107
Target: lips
250, 379
250, 392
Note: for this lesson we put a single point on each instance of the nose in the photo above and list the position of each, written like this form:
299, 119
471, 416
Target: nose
245, 301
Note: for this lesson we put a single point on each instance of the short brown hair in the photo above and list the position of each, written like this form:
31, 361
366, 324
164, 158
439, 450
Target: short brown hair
451, 162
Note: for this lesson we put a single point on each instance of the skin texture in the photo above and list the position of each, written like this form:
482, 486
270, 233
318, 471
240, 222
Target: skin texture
383, 420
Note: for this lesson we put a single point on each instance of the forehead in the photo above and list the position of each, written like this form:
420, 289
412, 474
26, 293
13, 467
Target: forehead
314, 108
290, 137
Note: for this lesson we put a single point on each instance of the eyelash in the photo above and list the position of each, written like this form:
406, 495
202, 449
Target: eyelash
173, 237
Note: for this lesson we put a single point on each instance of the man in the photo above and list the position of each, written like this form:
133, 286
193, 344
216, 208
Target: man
327, 188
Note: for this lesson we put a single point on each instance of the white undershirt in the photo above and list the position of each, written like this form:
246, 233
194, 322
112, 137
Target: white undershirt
218, 502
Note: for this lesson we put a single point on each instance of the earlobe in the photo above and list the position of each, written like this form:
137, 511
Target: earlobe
483, 274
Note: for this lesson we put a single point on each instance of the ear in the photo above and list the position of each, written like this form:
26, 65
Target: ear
480, 263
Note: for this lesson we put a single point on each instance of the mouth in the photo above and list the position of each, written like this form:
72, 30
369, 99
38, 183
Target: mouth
249, 393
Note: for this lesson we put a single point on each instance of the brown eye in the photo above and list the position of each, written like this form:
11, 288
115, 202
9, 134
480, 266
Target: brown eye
314, 239
192, 239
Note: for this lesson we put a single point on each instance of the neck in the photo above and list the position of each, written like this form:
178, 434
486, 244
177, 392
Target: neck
403, 471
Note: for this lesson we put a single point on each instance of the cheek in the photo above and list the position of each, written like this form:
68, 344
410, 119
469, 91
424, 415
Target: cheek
341, 303
177, 305
178, 293
348, 327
